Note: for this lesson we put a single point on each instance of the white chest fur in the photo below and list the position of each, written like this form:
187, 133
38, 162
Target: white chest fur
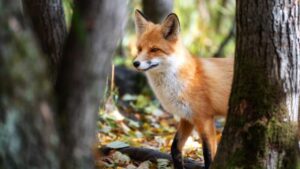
168, 88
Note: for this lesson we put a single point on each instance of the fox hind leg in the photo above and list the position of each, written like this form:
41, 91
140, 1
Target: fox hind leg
183, 132
207, 132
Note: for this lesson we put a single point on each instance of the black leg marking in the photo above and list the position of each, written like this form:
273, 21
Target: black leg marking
206, 153
176, 154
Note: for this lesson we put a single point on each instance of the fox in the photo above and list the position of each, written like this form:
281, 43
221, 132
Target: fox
195, 89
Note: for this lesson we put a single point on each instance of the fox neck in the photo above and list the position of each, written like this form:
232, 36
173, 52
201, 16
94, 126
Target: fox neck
168, 83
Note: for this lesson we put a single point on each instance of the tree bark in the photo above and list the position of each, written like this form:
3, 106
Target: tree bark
27, 133
157, 10
261, 128
48, 21
96, 28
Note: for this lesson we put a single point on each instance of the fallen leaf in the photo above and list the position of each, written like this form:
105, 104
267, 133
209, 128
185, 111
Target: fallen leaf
117, 144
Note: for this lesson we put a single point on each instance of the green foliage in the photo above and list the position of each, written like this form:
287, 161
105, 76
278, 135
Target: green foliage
68, 9
205, 24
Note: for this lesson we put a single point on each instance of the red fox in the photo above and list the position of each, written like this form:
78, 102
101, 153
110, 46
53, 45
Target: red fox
195, 89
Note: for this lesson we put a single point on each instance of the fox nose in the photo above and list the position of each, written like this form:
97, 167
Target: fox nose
136, 64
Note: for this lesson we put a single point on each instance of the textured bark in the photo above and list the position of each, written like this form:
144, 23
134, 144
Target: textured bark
27, 135
261, 129
48, 21
96, 28
27, 131
157, 10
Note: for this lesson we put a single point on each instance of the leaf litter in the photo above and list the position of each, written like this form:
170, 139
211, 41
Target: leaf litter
146, 125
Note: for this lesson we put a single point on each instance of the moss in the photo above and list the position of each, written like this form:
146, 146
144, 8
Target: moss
281, 134
298, 163
282, 138
236, 158
260, 138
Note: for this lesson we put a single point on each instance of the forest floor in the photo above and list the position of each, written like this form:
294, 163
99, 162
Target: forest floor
139, 121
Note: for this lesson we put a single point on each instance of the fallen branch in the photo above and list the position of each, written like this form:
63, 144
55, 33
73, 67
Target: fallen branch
144, 154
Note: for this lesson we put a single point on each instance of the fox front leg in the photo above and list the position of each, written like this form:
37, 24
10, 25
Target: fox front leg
184, 130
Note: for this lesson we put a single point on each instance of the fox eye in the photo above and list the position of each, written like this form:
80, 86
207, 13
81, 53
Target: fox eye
139, 49
154, 49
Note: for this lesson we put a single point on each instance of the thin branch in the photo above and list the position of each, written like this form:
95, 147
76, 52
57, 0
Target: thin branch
231, 34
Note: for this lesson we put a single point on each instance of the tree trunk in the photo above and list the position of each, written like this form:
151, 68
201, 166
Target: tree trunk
27, 133
157, 10
48, 21
261, 128
96, 28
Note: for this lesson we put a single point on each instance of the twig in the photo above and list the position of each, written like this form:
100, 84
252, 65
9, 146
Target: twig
112, 83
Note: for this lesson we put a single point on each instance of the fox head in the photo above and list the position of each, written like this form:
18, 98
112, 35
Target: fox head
157, 44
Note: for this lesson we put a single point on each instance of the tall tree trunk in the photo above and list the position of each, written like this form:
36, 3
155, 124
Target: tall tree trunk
48, 21
261, 129
27, 133
96, 28
157, 10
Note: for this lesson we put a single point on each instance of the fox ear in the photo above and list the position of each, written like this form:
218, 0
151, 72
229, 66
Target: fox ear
171, 27
140, 22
